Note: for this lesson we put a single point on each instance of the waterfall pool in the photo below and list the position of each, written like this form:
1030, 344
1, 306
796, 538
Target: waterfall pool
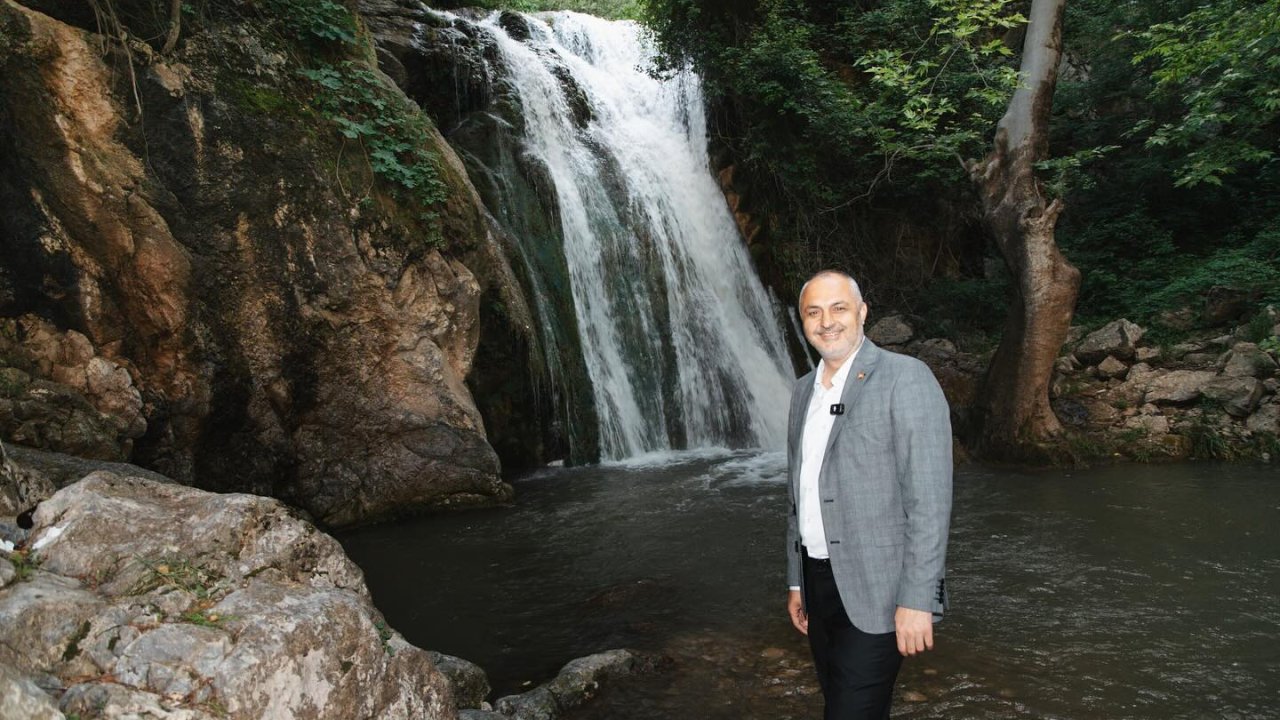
1120, 592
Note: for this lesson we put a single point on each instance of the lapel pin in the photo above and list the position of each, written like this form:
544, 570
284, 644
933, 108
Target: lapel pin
862, 376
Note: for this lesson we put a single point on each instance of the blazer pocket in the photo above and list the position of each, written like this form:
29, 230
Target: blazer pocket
888, 535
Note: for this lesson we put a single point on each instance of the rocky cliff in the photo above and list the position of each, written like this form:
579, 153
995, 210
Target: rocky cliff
223, 260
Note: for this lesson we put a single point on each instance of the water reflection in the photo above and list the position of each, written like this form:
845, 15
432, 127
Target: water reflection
1135, 592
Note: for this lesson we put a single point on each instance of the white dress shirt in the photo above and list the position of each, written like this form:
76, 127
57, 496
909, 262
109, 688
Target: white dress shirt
813, 448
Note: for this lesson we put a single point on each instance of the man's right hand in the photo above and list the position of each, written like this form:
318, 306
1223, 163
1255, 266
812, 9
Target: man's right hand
795, 608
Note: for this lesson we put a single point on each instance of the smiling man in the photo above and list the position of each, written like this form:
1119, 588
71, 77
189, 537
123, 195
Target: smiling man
869, 467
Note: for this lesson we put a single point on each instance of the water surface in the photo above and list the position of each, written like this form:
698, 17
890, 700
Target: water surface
1123, 592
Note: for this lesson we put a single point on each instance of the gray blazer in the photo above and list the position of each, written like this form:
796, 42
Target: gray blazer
885, 488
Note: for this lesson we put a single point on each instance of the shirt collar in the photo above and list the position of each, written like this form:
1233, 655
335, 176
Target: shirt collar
837, 381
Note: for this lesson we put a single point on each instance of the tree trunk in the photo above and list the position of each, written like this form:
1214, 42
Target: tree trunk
175, 27
1012, 414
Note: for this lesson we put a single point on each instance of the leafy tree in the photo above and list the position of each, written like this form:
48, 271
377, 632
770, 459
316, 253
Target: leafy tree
1220, 66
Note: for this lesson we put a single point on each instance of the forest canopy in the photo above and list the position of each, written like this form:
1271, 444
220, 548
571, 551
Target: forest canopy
853, 119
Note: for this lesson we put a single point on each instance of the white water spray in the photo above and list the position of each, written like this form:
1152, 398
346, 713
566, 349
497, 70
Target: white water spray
681, 343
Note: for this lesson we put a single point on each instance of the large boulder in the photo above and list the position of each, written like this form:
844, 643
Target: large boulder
218, 289
890, 330
1248, 360
1237, 395
145, 599
1118, 338
1178, 387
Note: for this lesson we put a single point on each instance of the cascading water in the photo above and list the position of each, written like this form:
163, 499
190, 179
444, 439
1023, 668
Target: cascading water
678, 337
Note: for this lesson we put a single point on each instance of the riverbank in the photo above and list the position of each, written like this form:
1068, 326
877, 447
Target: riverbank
1120, 396
125, 595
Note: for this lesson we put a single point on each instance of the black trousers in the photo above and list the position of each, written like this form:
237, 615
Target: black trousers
855, 669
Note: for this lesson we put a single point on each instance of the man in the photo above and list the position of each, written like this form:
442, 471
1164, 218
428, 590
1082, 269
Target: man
869, 467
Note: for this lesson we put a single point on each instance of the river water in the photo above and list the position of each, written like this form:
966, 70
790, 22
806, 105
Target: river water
1120, 592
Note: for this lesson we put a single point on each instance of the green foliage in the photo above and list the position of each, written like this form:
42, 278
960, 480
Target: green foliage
1220, 66
323, 20
389, 129
1144, 242
384, 634
23, 564
73, 645
1208, 442
206, 618
835, 108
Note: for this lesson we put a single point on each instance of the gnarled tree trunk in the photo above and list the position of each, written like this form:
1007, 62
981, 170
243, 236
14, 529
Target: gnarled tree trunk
1012, 412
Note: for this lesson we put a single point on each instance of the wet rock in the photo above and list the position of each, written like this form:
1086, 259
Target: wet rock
1238, 395
577, 682
1066, 364
891, 330
913, 696
158, 600
1248, 360
1118, 338
1177, 387
469, 682
480, 715
515, 25
1112, 368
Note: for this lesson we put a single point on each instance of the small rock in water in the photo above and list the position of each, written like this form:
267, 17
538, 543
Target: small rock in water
773, 653
930, 671
913, 696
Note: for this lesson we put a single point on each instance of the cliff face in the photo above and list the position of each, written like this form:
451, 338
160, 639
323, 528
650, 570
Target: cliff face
187, 227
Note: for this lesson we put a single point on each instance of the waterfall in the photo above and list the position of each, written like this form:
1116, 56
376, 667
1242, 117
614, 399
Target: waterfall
679, 339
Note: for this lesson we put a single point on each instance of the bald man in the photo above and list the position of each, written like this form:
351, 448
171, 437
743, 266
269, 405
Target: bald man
869, 469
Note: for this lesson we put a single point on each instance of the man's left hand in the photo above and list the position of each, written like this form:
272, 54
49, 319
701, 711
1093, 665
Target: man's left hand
915, 630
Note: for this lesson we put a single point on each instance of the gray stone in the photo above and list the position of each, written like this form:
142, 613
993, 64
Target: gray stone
469, 681
1266, 419
1248, 360
1118, 338
1177, 387
1201, 359
1153, 424
890, 330
576, 682
936, 351
480, 715
175, 598
22, 699
1271, 385
1238, 395
1147, 354
1110, 367
1066, 364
